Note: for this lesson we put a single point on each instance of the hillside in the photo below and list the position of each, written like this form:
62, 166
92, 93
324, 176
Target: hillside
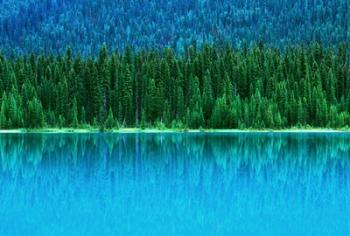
50, 26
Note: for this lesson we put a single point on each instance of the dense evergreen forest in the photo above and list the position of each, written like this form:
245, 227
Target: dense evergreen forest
50, 26
251, 87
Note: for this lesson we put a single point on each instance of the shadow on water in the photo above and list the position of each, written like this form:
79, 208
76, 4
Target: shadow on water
217, 183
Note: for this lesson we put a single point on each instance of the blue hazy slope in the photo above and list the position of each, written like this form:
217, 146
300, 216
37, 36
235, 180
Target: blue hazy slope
52, 25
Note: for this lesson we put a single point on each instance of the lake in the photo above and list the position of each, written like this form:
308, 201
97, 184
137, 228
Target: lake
175, 184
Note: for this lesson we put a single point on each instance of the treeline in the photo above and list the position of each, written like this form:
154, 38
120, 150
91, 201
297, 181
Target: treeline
258, 87
50, 26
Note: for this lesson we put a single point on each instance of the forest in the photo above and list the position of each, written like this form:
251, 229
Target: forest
50, 26
208, 87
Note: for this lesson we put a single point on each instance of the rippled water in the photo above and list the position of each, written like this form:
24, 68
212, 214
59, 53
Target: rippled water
175, 184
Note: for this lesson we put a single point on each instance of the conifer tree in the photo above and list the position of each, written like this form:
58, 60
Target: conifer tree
74, 114
180, 104
110, 122
196, 119
127, 99
208, 100
35, 117
3, 116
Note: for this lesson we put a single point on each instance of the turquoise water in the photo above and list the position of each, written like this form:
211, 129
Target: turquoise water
175, 184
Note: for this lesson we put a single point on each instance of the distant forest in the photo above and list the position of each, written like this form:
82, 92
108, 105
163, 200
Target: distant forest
210, 87
50, 26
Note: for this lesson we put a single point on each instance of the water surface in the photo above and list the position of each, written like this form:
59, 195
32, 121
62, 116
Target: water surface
175, 184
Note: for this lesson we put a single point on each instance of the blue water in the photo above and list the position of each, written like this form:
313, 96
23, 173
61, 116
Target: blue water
175, 184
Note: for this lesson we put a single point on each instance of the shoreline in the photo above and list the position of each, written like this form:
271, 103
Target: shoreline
150, 131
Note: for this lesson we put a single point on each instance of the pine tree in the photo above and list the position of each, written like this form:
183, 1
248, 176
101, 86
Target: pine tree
127, 99
35, 117
180, 104
63, 99
219, 116
104, 79
196, 112
83, 116
208, 100
110, 122
143, 123
74, 115
300, 113
166, 114
270, 117
15, 116
3, 119
152, 103
61, 121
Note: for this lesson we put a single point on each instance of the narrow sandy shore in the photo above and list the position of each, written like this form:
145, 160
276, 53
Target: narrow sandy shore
137, 130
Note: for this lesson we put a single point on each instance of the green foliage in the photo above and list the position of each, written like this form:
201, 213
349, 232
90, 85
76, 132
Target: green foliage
257, 87
3, 118
61, 121
35, 115
177, 124
143, 123
110, 122
74, 115
159, 125
219, 115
